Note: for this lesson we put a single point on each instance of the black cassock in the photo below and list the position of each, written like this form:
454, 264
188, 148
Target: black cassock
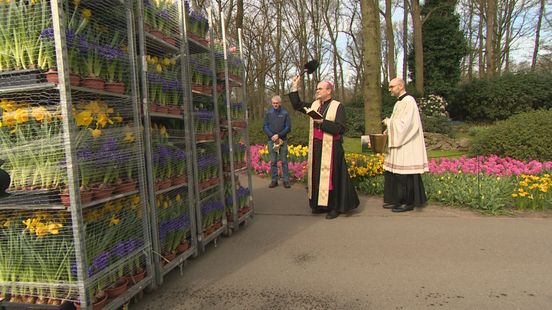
343, 196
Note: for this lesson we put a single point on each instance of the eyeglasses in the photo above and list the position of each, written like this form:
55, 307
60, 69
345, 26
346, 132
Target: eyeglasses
275, 102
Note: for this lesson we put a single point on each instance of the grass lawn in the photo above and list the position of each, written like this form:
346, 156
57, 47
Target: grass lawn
352, 145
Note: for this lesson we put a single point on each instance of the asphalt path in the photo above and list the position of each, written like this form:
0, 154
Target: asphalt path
433, 258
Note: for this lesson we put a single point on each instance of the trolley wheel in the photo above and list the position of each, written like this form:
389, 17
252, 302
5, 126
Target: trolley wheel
227, 232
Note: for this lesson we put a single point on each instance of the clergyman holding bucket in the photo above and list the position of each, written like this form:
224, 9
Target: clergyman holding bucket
406, 157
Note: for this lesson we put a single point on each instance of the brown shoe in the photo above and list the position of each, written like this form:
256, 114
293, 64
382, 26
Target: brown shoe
273, 184
286, 185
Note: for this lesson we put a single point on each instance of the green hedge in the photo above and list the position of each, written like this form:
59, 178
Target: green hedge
502, 97
524, 136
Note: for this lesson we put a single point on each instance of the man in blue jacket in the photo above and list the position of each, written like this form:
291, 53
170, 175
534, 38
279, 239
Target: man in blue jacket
277, 124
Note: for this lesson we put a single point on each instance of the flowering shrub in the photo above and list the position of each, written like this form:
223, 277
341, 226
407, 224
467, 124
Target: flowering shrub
433, 105
435, 117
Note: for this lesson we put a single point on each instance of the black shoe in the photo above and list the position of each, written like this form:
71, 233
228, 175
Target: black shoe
402, 208
286, 185
332, 214
388, 205
273, 184
318, 211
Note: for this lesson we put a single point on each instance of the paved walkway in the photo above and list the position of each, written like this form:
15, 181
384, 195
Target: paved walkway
436, 258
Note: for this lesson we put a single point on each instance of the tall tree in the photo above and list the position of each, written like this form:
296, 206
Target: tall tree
537, 36
390, 40
417, 22
372, 65
444, 46
491, 11
405, 40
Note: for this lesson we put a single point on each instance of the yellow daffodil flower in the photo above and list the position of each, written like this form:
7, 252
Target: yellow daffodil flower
84, 118
53, 228
114, 220
21, 116
129, 137
95, 133
103, 120
86, 13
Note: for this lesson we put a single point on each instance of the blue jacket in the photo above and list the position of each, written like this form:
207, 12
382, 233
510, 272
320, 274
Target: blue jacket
277, 122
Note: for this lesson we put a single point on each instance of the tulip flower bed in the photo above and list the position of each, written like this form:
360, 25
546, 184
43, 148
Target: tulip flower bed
487, 183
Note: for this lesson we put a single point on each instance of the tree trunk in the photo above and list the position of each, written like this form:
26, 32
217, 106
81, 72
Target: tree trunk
490, 40
372, 65
537, 37
481, 54
392, 68
239, 17
418, 47
470, 41
405, 40
279, 84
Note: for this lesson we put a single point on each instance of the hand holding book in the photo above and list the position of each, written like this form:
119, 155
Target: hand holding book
313, 113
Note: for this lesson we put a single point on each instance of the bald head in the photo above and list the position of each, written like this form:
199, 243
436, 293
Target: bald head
324, 90
396, 87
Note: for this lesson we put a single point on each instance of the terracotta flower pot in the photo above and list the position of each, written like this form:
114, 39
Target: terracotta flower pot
183, 246
115, 87
177, 180
162, 109
197, 88
98, 304
52, 77
126, 187
102, 192
117, 288
156, 33
165, 183
137, 277
174, 110
169, 40
93, 83
86, 196
168, 257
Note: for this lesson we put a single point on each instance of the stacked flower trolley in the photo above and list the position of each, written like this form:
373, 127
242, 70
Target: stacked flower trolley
167, 140
73, 222
236, 151
201, 87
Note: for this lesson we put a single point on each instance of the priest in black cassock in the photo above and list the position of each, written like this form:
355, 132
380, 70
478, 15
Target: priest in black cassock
329, 186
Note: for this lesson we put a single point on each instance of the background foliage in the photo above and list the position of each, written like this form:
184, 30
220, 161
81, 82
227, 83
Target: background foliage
524, 136
500, 98
444, 47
